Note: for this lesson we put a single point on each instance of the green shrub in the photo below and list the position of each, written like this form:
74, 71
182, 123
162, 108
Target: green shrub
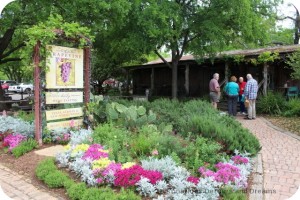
44, 168
29, 117
228, 193
272, 103
127, 194
68, 183
146, 140
114, 138
202, 151
104, 133
55, 179
292, 108
24, 147
76, 191
169, 144
99, 193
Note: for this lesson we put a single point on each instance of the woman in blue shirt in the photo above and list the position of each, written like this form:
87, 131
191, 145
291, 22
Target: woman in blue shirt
232, 91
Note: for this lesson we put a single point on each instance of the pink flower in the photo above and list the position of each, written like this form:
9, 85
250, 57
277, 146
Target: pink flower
130, 176
99, 180
193, 179
4, 114
11, 141
72, 123
154, 152
225, 173
94, 152
239, 160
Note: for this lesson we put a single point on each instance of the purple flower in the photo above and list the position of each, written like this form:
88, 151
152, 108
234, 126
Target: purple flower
225, 173
95, 152
239, 160
11, 141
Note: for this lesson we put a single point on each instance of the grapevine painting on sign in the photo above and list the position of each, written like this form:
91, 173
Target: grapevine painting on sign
65, 68
65, 72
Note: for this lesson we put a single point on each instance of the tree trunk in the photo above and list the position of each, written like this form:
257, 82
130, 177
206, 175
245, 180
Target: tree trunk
265, 85
174, 79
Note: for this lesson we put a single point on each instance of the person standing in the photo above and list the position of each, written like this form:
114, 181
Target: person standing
251, 95
214, 90
242, 85
232, 91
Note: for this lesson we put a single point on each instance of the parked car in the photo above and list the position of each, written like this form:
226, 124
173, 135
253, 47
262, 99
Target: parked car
6, 83
22, 87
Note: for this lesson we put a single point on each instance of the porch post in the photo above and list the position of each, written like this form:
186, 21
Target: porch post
152, 81
226, 72
127, 79
187, 80
265, 74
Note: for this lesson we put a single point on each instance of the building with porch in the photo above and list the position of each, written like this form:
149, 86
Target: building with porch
193, 76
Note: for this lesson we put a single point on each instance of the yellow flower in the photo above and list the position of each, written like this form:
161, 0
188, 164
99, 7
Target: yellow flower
67, 147
127, 165
80, 147
101, 163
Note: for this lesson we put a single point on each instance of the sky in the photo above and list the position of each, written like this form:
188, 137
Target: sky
288, 11
284, 9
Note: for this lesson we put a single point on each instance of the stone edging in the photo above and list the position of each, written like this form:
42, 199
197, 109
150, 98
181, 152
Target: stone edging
255, 191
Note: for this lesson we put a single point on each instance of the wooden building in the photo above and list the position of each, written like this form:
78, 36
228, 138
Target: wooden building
193, 76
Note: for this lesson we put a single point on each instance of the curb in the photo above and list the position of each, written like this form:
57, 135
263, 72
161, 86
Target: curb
255, 191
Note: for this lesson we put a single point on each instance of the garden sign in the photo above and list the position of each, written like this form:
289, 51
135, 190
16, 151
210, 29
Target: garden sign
65, 71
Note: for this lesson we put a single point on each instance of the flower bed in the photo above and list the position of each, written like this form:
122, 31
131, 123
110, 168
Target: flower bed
153, 177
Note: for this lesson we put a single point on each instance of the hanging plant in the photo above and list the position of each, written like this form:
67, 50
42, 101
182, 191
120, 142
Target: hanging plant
54, 30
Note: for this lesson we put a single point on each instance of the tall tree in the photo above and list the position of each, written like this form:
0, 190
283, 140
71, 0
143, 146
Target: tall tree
296, 21
103, 17
198, 27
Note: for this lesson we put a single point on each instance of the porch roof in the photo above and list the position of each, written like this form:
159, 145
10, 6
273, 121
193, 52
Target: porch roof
246, 53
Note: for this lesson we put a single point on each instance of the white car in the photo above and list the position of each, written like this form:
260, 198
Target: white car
22, 87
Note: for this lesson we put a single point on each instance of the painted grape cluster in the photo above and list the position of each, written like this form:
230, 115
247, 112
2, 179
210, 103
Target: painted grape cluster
65, 71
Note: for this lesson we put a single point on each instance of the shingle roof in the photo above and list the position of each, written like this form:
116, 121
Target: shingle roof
247, 52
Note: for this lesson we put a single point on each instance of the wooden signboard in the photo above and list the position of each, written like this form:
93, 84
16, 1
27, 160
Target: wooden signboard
64, 124
64, 97
65, 68
63, 113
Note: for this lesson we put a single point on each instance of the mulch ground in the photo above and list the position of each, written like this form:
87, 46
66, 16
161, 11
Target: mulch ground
291, 124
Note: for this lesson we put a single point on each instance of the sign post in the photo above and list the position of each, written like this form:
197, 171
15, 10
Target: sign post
37, 98
67, 80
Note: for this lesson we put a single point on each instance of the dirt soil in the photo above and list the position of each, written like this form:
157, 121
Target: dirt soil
26, 165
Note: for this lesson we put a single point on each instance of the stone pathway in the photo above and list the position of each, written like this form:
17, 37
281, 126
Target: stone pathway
280, 159
17, 187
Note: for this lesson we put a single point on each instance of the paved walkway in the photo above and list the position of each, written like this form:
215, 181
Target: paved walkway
17, 187
280, 159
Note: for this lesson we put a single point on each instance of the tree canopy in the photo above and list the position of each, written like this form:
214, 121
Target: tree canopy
126, 30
